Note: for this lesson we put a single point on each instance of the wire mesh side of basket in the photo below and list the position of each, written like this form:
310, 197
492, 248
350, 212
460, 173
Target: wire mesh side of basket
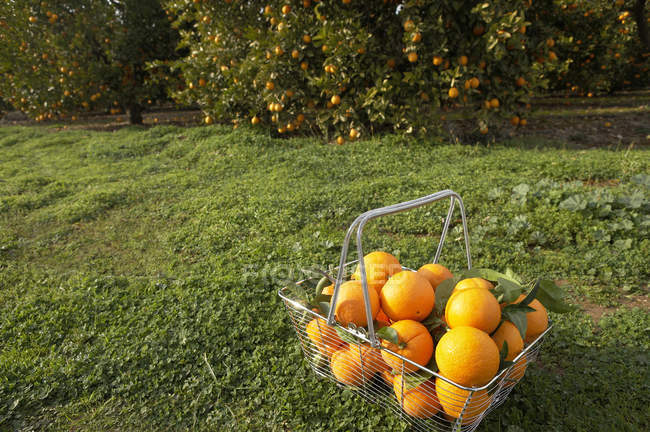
425, 401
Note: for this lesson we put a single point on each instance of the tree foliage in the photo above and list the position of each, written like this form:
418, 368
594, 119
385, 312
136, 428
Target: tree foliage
342, 68
600, 42
63, 56
345, 68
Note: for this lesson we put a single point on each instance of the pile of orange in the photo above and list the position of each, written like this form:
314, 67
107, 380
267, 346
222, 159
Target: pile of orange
467, 354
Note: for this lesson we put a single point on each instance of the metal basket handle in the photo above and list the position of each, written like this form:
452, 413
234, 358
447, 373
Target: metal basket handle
361, 221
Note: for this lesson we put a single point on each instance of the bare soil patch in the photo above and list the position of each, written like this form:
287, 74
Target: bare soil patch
596, 311
622, 119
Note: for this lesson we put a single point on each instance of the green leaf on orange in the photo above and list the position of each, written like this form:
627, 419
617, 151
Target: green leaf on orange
347, 337
323, 298
322, 283
432, 322
324, 308
552, 297
507, 291
389, 334
516, 314
415, 379
531, 295
443, 292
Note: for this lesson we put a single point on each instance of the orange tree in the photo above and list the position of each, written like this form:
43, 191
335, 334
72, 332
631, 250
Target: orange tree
347, 68
63, 56
603, 43
4, 106
639, 11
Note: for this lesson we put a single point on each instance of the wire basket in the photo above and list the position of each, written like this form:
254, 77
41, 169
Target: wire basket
420, 396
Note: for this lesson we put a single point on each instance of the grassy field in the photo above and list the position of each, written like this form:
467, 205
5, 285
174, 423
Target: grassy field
132, 260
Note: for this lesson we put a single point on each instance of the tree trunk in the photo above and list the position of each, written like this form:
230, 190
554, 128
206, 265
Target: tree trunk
135, 114
641, 22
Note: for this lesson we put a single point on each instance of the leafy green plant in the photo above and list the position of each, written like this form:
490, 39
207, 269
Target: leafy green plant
108, 322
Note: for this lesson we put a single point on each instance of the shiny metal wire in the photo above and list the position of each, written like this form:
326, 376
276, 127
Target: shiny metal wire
360, 371
361, 221
435, 403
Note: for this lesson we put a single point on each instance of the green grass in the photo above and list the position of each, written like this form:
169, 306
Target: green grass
130, 259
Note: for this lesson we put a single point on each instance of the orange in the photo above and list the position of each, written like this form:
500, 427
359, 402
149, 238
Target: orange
382, 318
475, 307
537, 321
413, 57
369, 357
517, 372
407, 295
435, 274
507, 332
328, 290
437, 60
453, 92
514, 120
420, 401
379, 267
494, 103
346, 368
467, 356
452, 400
323, 336
473, 283
463, 60
418, 346
350, 306
388, 376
